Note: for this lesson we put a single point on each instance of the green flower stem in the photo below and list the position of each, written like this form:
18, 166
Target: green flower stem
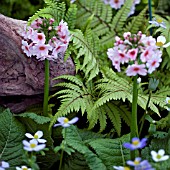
46, 88
146, 111
134, 126
62, 151
150, 14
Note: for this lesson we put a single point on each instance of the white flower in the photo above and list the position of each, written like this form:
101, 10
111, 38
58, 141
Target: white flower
158, 22
32, 145
36, 136
161, 42
4, 165
65, 122
139, 80
72, 1
168, 102
121, 168
23, 168
157, 157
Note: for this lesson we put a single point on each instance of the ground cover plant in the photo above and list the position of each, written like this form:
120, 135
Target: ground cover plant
114, 112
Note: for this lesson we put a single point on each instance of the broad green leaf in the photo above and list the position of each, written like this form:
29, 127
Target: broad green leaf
12, 132
37, 118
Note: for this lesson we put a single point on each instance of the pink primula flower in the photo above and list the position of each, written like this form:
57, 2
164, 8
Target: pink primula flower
27, 49
62, 30
116, 4
149, 41
123, 57
135, 69
38, 38
28, 32
153, 63
147, 53
132, 54
41, 49
37, 23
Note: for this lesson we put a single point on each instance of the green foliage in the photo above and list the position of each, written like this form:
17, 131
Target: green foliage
12, 133
87, 49
70, 16
155, 145
99, 153
37, 118
137, 22
102, 15
20, 9
116, 25
53, 10
113, 87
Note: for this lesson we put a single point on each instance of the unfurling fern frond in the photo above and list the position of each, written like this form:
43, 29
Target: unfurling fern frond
53, 10
88, 51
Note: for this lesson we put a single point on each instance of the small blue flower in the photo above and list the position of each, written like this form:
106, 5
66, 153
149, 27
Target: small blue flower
158, 22
140, 165
136, 144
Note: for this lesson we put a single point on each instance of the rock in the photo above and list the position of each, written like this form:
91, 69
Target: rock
22, 78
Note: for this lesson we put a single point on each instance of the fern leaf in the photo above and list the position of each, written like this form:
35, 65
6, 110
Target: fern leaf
90, 65
53, 10
38, 119
136, 23
70, 16
12, 133
74, 140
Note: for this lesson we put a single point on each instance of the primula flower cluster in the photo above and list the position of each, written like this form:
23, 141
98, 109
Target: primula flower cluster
44, 40
116, 4
139, 51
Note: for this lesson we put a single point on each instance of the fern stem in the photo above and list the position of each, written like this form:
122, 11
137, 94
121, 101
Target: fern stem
146, 111
62, 151
134, 126
150, 14
46, 88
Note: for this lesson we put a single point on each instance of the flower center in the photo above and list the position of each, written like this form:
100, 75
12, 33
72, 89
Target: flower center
158, 156
132, 52
136, 162
159, 20
169, 101
136, 69
116, 1
159, 44
153, 63
40, 37
32, 145
136, 142
35, 136
24, 168
126, 168
42, 48
66, 120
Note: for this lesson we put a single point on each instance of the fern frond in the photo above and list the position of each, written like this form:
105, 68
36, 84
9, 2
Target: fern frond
90, 65
102, 15
70, 16
134, 25
116, 26
53, 10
